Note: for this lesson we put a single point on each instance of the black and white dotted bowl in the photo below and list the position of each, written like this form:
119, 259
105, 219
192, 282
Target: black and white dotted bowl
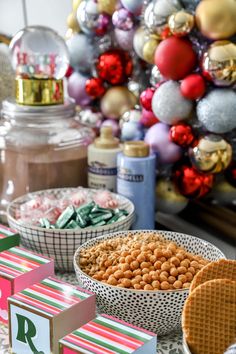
185, 346
61, 244
157, 311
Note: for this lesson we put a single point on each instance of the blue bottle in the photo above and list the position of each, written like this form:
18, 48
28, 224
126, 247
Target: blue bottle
136, 181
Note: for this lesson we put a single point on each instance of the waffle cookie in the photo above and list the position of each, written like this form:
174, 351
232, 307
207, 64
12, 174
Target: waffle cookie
209, 317
221, 269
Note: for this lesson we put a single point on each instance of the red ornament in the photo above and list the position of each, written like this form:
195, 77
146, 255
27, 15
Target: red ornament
69, 72
148, 119
146, 98
94, 87
192, 183
114, 66
230, 174
175, 58
193, 87
181, 134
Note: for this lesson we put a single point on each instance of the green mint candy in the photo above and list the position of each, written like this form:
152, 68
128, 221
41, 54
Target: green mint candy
101, 223
65, 217
85, 209
98, 209
45, 223
81, 220
101, 218
72, 225
115, 218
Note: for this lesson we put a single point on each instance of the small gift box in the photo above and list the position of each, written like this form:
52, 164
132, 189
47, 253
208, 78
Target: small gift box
45, 312
108, 335
19, 269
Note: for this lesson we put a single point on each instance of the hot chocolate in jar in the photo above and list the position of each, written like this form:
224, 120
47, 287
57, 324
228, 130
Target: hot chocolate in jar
42, 144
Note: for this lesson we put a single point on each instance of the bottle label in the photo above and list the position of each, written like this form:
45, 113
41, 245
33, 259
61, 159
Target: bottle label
126, 175
98, 168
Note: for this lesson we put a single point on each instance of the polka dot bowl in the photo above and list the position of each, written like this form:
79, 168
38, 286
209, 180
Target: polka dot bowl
157, 311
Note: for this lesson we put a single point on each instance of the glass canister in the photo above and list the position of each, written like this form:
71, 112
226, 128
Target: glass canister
41, 147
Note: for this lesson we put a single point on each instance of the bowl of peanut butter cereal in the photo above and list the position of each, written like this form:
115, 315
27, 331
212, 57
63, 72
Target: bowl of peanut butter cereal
143, 277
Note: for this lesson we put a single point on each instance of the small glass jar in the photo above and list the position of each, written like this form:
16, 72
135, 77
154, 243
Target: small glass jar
41, 147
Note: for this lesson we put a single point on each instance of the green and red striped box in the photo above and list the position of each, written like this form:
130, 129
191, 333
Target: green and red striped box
8, 238
45, 312
19, 269
108, 335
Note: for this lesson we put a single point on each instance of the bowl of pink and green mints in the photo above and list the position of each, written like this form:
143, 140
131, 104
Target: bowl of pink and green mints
55, 222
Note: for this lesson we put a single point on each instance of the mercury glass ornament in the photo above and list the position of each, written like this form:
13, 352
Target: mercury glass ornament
156, 76
219, 62
212, 154
157, 13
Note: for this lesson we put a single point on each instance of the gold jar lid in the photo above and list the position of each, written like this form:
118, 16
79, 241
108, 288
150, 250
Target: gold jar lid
106, 139
136, 149
39, 92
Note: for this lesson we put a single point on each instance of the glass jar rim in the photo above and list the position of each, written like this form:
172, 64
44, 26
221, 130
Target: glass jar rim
13, 110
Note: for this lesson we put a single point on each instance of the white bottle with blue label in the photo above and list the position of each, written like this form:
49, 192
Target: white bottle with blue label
136, 181
102, 161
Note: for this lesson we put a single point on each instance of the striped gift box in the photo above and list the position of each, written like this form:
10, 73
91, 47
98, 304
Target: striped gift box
8, 238
19, 269
52, 309
108, 335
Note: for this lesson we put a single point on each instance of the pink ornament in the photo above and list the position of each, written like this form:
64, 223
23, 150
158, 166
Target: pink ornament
146, 98
125, 38
148, 119
158, 139
123, 20
76, 89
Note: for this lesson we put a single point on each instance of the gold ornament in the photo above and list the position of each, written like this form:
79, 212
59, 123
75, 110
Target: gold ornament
219, 63
116, 101
76, 4
149, 49
145, 44
181, 23
168, 198
212, 154
107, 6
216, 18
72, 22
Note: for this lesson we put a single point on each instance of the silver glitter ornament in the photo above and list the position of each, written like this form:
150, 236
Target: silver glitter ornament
168, 104
216, 111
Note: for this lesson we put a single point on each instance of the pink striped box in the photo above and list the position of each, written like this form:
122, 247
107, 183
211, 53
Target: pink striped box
45, 312
108, 335
19, 269
8, 238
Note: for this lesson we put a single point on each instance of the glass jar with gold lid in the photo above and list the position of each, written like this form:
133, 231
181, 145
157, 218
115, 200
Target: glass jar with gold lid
41, 147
